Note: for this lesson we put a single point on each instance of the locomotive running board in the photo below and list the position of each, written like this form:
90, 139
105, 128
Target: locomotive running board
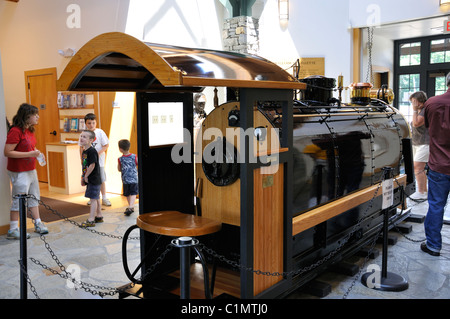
316, 216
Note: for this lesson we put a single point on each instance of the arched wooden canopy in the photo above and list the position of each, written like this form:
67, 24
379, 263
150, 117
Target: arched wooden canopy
119, 62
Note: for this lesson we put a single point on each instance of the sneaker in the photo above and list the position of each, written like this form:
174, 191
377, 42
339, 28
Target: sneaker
14, 234
88, 223
89, 202
424, 248
106, 202
98, 220
419, 196
40, 228
129, 211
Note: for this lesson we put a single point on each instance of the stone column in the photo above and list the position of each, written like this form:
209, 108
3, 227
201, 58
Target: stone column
240, 34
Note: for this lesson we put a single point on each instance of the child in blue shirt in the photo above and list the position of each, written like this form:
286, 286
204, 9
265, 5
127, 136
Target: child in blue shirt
127, 165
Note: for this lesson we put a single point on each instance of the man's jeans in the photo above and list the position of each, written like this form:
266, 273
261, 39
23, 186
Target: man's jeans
438, 190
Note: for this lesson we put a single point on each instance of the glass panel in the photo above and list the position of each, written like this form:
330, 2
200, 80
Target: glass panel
440, 51
414, 80
439, 86
437, 57
408, 84
410, 54
404, 81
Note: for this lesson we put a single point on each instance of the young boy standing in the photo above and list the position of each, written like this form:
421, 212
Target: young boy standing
91, 178
127, 165
101, 144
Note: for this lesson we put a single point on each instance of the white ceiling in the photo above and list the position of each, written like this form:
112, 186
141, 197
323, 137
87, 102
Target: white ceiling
412, 29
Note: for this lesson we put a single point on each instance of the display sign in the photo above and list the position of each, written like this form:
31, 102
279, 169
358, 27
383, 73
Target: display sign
308, 66
311, 66
388, 193
165, 123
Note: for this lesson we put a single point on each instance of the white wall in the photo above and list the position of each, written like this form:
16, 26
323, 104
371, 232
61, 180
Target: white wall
315, 29
185, 23
188, 23
362, 12
31, 33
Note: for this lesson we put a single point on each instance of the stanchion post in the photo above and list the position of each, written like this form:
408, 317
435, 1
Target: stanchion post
185, 244
185, 263
23, 245
388, 280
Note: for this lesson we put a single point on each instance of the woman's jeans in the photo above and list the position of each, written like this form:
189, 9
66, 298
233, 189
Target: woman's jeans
438, 190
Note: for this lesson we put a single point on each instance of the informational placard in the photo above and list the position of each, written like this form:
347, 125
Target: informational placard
388, 193
165, 123
308, 66
311, 66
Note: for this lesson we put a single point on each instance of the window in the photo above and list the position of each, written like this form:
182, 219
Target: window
439, 85
410, 54
440, 51
408, 84
420, 64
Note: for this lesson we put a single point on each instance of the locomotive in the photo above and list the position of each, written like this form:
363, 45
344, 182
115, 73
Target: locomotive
291, 172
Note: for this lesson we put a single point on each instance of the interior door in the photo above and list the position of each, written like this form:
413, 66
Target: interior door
41, 92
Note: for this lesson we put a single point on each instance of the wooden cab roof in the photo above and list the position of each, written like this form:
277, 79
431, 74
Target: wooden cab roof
119, 62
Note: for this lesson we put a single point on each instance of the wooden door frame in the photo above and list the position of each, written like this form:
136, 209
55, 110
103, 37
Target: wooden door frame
40, 72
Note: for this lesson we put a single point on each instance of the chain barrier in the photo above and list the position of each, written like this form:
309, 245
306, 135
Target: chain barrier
112, 291
54, 211
366, 259
417, 201
64, 274
23, 270
369, 75
310, 267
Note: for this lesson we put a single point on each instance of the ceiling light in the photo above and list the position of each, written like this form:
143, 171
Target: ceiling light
283, 9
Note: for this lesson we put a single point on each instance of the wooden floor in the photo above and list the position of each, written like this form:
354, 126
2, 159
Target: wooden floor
117, 200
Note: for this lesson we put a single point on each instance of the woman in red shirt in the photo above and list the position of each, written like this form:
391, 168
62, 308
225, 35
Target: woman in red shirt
20, 149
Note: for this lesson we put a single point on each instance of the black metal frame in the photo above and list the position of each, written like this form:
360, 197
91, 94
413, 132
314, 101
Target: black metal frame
423, 69
248, 100
163, 185
157, 172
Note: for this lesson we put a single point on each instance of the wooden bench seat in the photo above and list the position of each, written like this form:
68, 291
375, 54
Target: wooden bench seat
173, 223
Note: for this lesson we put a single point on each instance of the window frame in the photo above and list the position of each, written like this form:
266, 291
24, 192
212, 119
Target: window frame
425, 67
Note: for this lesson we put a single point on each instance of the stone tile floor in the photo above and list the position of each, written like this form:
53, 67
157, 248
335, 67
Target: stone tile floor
98, 261
428, 276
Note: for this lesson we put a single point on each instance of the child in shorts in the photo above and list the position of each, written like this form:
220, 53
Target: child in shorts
127, 165
90, 177
101, 144
20, 149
